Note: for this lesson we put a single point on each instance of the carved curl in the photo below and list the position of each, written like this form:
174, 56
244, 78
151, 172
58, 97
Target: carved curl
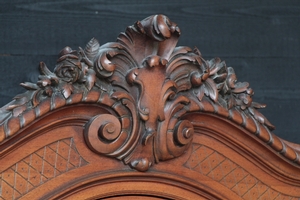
103, 134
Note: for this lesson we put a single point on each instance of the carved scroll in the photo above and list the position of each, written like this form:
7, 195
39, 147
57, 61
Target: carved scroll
148, 84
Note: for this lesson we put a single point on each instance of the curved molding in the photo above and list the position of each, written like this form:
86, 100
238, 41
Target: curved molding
149, 84
155, 183
244, 147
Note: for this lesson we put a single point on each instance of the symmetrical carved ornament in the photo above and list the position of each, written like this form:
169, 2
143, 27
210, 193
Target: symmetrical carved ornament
148, 84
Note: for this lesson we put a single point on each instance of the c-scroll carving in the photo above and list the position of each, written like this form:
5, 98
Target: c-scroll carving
148, 84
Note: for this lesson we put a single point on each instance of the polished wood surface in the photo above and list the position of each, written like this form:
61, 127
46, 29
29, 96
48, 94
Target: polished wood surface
141, 118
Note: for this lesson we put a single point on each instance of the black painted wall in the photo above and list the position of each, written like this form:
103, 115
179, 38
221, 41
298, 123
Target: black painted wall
260, 39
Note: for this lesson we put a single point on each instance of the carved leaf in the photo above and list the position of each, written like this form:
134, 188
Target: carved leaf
210, 89
261, 118
200, 93
230, 102
18, 110
46, 75
92, 48
20, 101
240, 87
48, 91
90, 79
44, 70
197, 51
30, 86
67, 89
43, 81
258, 105
220, 77
214, 65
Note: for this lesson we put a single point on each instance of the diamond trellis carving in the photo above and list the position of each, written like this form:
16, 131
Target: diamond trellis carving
39, 167
219, 168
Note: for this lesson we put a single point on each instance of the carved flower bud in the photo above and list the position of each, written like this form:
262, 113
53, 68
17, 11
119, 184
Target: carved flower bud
196, 79
245, 100
231, 79
250, 91
65, 51
205, 76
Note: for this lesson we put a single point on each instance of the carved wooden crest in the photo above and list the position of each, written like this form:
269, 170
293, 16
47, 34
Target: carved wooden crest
148, 85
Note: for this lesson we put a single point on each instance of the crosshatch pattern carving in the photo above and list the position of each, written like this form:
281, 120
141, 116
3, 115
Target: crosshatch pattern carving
216, 166
39, 167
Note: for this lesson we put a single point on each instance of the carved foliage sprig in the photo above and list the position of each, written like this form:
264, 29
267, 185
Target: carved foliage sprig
73, 73
235, 94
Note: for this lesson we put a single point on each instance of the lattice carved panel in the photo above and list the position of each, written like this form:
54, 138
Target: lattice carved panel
39, 167
213, 164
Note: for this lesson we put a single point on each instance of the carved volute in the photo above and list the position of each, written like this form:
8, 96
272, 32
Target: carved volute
148, 85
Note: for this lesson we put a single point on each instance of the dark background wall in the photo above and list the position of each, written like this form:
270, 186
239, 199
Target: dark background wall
260, 39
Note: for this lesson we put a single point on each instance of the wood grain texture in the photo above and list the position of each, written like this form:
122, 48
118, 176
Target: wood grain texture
259, 39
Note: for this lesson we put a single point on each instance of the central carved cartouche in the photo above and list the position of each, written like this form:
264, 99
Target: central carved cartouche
151, 80
154, 80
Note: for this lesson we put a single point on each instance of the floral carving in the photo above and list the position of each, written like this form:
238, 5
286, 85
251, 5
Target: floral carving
149, 83
72, 74
239, 95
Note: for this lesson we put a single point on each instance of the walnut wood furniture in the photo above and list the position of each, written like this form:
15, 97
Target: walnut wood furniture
140, 118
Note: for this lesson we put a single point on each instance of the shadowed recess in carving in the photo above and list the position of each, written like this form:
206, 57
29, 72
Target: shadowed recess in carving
39, 167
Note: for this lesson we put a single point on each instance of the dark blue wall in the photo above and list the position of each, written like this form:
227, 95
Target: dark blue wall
260, 39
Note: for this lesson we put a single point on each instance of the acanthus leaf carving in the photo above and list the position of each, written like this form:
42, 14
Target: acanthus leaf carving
149, 83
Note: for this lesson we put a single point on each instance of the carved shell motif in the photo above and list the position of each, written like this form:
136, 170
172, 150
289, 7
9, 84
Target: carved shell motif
149, 85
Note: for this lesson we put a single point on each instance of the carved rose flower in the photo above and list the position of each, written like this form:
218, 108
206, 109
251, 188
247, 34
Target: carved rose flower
239, 92
68, 66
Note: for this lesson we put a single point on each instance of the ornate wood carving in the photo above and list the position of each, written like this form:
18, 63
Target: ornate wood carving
148, 85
